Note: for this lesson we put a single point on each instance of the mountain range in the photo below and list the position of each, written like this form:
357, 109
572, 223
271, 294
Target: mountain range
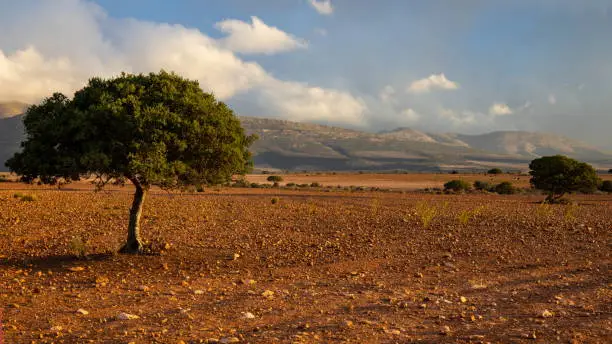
286, 145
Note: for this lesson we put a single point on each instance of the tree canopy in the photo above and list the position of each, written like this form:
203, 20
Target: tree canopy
559, 175
156, 129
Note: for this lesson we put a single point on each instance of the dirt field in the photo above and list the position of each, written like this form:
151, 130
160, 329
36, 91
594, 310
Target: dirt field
316, 267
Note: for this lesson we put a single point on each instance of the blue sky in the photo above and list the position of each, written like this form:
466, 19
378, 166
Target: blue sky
468, 66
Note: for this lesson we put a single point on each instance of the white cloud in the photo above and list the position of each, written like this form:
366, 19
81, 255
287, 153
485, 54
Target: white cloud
433, 82
410, 115
322, 6
75, 40
386, 94
499, 109
321, 32
552, 99
256, 37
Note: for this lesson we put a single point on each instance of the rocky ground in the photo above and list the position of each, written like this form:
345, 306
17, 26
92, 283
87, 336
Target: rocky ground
228, 266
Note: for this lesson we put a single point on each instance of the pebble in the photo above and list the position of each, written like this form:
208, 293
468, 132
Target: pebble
82, 311
268, 294
547, 314
463, 299
229, 340
445, 330
248, 315
126, 316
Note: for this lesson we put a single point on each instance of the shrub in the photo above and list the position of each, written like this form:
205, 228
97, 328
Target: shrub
199, 188
25, 198
495, 171
290, 185
610, 171
505, 188
606, 186
559, 175
456, 185
4, 179
426, 213
241, 183
454, 172
275, 179
315, 185
275, 200
480, 185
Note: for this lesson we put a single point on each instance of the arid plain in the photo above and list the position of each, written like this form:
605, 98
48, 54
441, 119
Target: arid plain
312, 265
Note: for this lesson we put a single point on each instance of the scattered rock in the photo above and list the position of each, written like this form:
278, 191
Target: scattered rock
198, 292
268, 294
82, 311
126, 316
418, 275
445, 330
348, 323
144, 288
233, 256
463, 299
76, 269
56, 328
226, 340
248, 315
547, 314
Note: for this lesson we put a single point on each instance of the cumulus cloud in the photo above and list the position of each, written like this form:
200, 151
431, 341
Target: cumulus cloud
410, 115
433, 82
500, 109
386, 94
324, 7
75, 40
256, 37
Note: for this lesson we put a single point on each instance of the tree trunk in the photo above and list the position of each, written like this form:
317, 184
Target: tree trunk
133, 244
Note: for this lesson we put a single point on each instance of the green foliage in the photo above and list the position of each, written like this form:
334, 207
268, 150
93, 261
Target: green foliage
495, 171
559, 175
610, 171
456, 185
483, 186
156, 129
426, 213
275, 200
275, 179
606, 186
505, 188
315, 185
465, 216
25, 197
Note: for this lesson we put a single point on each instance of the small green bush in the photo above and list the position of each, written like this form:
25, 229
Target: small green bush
483, 186
315, 185
606, 186
275, 179
290, 185
495, 171
275, 200
505, 188
25, 198
456, 185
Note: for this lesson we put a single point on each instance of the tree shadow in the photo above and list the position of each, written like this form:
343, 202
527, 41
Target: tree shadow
54, 262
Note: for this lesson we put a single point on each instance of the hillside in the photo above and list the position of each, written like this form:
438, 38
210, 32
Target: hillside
10, 109
295, 146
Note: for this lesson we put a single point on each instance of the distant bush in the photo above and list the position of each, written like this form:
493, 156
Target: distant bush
4, 179
315, 185
610, 171
454, 172
495, 171
275, 200
255, 185
241, 183
199, 188
483, 186
25, 198
290, 185
606, 186
505, 188
275, 179
456, 185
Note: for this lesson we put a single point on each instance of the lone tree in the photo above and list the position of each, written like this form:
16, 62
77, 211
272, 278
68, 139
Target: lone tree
559, 175
157, 129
